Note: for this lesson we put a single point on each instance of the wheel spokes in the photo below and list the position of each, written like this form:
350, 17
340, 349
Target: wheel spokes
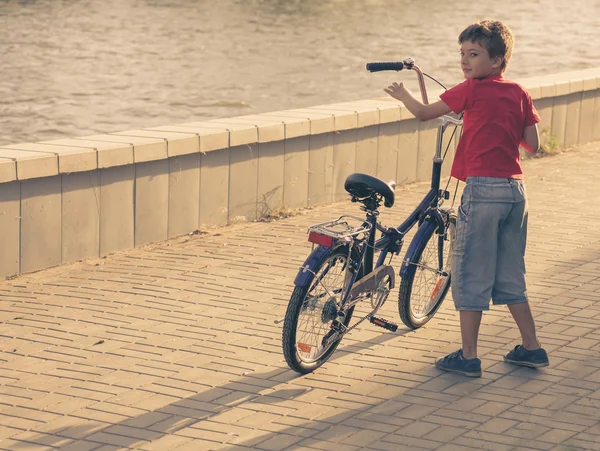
313, 325
430, 280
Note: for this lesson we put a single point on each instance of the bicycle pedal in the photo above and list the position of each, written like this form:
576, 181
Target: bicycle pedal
383, 323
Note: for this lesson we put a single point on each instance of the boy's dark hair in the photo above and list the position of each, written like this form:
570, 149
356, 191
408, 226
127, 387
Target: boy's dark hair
492, 35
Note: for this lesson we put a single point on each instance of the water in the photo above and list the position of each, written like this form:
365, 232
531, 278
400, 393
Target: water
78, 67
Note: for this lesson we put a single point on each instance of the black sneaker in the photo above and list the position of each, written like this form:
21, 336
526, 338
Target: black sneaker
533, 359
456, 363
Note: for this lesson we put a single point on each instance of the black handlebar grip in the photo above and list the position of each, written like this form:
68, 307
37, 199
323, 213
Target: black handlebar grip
377, 67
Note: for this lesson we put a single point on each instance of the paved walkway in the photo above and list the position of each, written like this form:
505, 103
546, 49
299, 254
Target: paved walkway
173, 346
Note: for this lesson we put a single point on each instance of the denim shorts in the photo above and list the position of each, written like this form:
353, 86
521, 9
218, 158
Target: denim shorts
488, 254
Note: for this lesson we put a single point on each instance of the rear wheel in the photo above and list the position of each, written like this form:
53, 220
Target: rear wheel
425, 283
307, 328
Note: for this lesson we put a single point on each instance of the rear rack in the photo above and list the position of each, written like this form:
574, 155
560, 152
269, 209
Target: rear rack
341, 228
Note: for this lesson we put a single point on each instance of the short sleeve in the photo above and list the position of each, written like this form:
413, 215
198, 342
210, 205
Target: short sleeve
457, 98
531, 115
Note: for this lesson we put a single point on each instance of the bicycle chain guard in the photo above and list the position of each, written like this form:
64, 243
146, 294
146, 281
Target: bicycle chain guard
371, 282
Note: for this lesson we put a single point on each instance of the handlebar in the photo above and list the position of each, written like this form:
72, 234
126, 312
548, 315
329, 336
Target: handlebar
377, 67
408, 64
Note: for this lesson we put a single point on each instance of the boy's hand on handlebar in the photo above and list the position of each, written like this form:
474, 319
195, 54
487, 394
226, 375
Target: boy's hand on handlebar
398, 91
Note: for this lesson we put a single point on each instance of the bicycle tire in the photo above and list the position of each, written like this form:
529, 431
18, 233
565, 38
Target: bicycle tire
431, 286
295, 357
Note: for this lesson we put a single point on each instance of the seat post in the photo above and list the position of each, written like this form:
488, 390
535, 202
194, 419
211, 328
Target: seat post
372, 219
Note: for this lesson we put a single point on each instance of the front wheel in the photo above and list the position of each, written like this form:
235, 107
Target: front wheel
307, 327
425, 282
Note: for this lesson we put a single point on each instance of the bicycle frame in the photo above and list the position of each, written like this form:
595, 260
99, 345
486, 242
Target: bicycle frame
393, 238
341, 272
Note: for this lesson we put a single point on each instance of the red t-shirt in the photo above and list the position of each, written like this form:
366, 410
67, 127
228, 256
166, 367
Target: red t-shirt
496, 111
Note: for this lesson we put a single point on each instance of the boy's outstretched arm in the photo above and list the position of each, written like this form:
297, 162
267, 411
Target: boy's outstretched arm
530, 139
419, 110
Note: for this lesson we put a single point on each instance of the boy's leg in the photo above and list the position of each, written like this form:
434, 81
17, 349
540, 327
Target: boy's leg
510, 286
530, 353
524, 319
469, 331
465, 361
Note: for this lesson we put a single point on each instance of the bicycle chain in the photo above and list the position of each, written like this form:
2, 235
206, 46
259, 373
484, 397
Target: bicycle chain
368, 315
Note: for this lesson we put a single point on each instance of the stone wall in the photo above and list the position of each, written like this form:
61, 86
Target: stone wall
70, 199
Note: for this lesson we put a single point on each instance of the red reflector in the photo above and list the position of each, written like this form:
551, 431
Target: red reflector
438, 285
322, 240
303, 347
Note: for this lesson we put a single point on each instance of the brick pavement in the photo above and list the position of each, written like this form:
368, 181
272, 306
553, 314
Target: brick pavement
173, 346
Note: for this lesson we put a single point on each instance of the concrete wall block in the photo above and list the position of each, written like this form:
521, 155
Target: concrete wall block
367, 142
109, 154
544, 108
184, 194
8, 170
405, 113
268, 129
387, 109
10, 228
270, 132
586, 118
563, 87
559, 118
117, 210
576, 85
321, 124
144, 149
548, 90
40, 223
30, 164
295, 172
320, 161
368, 117
214, 188
240, 132
389, 113
408, 144
151, 202
210, 138
80, 216
243, 183
590, 83
293, 126
427, 146
367, 112
344, 119
210, 141
573, 114
183, 146
535, 92
320, 121
70, 159
387, 150
271, 163
596, 119
178, 143
344, 161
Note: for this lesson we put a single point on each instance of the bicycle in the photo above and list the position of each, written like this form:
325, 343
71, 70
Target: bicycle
340, 272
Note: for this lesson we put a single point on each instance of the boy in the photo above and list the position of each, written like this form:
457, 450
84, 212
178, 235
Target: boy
488, 252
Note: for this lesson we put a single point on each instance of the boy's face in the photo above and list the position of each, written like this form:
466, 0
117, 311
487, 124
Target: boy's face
476, 62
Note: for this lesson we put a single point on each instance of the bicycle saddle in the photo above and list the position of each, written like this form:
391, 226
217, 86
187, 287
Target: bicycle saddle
363, 186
